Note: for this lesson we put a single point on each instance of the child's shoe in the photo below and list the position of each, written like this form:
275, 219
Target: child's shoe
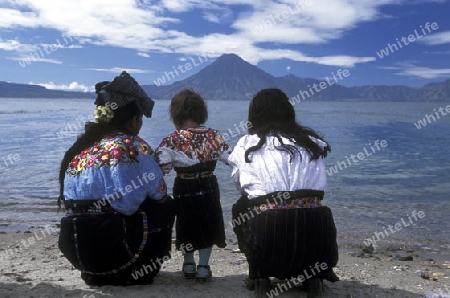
203, 273
189, 270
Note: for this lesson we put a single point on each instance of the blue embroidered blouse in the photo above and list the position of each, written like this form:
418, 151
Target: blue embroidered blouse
120, 169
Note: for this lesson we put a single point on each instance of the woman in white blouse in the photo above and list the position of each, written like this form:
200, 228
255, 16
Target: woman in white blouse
281, 225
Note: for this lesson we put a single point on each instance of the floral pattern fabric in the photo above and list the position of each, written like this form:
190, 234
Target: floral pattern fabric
120, 169
186, 147
293, 204
109, 152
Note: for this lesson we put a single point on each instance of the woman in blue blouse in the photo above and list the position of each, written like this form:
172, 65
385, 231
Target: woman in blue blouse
119, 223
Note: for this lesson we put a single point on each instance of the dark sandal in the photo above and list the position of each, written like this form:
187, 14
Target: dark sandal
189, 275
249, 284
262, 287
203, 278
314, 287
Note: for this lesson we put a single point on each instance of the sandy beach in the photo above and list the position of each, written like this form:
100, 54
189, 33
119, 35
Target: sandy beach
33, 266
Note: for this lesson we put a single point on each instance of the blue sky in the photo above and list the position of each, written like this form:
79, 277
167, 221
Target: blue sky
71, 45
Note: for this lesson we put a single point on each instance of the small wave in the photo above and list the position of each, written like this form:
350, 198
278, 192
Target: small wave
15, 112
22, 112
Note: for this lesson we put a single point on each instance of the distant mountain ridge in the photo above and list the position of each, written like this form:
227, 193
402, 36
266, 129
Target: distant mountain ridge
229, 77
232, 78
15, 90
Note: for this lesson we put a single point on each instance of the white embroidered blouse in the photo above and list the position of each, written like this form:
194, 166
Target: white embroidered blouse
270, 169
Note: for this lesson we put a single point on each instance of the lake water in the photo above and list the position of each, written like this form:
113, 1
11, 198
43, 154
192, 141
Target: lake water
369, 186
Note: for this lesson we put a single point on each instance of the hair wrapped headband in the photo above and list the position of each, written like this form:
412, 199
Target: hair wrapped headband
116, 94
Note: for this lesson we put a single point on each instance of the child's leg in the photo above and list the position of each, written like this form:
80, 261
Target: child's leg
204, 255
189, 265
189, 257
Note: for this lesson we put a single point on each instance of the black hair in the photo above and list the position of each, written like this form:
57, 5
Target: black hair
94, 132
271, 113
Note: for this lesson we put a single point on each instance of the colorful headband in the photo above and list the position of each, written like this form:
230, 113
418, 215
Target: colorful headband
121, 91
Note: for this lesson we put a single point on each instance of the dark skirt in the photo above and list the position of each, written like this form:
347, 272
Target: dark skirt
110, 248
287, 243
199, 220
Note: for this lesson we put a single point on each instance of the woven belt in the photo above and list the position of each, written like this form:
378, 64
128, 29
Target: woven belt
310, 202
195, 175
87, 206
93, 209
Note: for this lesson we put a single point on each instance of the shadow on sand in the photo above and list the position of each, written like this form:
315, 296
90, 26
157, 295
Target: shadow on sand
172, 284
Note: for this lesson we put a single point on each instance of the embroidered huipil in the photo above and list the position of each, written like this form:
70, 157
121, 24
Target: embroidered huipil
187, 147
270, 169
120, 169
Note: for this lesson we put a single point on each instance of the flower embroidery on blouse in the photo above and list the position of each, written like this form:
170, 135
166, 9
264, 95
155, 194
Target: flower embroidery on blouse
204, 144
110, 151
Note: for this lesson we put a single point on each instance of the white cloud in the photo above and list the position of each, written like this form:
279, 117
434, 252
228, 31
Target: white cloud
437, 38
292, 22
215, 45
141, 54
99, 22
119, 70
411, 70
177, 5
15, 45
344, 61
425, 72
10, 17
437, 52
188, 5
211, 17
27, 60
29, 53
74, 46
219, 15
51, 47
326, 20
74, 86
